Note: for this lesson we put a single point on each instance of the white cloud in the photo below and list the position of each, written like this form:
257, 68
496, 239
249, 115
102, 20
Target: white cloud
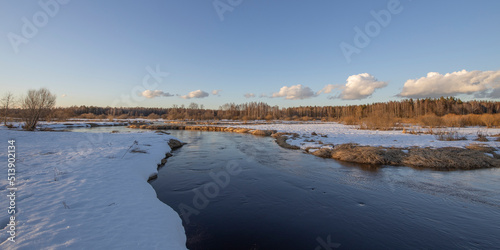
195, 94
150, 94
249, 95
329, 88
216, 92
63, 95
357, 87
263, 95
296, 92
479, 83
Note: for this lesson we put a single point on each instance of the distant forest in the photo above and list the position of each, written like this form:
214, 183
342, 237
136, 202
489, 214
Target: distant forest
404, 109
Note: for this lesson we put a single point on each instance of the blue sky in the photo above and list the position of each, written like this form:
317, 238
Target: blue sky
98, 52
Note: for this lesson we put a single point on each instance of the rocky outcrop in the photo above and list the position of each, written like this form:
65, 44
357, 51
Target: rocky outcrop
175, 144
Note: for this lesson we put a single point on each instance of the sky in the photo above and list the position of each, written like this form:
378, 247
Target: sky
158, 53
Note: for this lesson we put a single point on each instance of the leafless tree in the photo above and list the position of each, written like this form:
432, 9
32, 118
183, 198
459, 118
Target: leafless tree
36, 105
6, 102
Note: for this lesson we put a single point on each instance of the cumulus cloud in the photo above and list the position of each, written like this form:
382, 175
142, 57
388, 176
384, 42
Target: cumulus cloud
296, 92
477, 83
216, 92
249, 95
357, 87
195, 94
150, 94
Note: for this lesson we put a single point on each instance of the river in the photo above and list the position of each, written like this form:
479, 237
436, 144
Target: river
239, 191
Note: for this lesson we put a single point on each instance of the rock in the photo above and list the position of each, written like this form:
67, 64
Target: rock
152, 177
174, 144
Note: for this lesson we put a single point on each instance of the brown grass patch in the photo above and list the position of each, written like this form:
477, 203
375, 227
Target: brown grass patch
449, 136
352, 152
323, 153
481, 147
472, 157
281, 140
263, 132
481, 137
241, 130
449, 159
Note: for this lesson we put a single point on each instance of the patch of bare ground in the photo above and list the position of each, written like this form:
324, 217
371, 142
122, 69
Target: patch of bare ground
474, 156
352, 152
263, 132
450, 158
281, 140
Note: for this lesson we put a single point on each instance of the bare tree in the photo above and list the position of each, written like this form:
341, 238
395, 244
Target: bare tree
6, 102
37, 104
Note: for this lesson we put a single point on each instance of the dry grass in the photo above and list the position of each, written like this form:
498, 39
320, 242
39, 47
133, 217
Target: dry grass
481, 136
449, 136
449, 159
263, 132
380, 122
281, 140
481, 147
386, 122
472, 157
323, 153
367, 155
241, 130
431, 121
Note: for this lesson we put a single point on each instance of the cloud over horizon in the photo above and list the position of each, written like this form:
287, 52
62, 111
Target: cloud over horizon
195, 94
216, 92
249, 95
481, 84
357, 87
296, 92
150, 94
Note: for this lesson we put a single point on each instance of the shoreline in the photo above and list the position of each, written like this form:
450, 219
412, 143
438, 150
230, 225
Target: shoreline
174, 145
444, 158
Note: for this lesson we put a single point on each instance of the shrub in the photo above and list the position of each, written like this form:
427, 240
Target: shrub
431, 120
481, 136
449, 136
36, 105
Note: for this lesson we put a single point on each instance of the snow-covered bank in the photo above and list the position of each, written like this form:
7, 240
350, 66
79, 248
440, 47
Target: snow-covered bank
73, 124
83, 191
334, 133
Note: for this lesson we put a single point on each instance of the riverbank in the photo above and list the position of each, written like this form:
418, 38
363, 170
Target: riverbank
348, 144
88, 191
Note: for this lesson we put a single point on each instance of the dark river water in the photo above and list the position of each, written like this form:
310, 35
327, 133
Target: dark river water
238, 191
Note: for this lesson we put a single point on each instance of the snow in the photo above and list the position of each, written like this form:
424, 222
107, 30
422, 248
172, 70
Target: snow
72, 124
339, 134
83, 191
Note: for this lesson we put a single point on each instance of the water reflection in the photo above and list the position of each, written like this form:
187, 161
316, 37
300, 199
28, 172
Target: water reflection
285, 199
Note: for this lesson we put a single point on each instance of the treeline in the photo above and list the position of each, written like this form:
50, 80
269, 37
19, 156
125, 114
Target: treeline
404, 109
